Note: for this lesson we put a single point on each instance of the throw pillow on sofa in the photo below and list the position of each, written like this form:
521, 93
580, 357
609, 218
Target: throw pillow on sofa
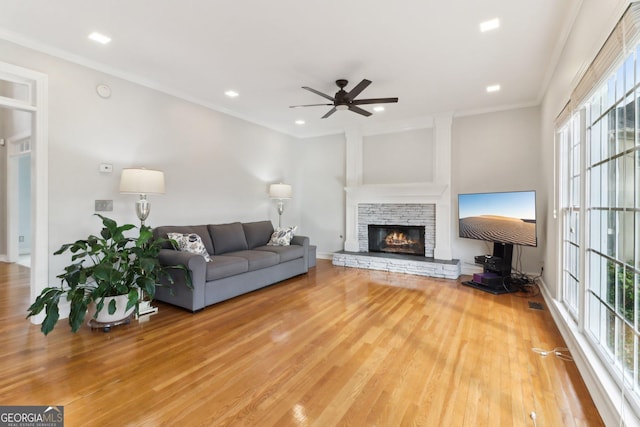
282, 236
190, 242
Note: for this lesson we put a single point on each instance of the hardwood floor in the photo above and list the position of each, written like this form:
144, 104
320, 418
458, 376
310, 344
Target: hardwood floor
337, 346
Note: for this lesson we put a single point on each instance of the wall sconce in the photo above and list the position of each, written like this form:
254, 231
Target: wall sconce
280, 192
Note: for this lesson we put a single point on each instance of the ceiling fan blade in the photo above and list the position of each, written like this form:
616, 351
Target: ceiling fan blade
333, 110
374, 101
330, 98
356, 90
359, 110
308, 105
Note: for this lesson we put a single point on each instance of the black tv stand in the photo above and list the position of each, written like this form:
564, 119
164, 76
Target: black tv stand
492, 290
496, 271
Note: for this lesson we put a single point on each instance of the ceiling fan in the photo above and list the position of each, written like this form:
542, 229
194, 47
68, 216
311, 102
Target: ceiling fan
344, 100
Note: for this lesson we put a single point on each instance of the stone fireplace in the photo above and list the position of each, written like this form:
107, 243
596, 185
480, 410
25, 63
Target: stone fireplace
421, 215
397, 208
395, 201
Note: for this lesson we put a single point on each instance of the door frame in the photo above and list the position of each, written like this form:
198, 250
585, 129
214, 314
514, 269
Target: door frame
37, 104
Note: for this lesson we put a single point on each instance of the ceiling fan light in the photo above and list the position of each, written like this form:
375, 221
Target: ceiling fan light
342, 107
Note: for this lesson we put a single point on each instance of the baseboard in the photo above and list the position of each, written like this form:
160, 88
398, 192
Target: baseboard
470, 269
324, 255
4, 258
602, 386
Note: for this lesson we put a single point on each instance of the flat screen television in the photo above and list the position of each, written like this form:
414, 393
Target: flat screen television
507, 218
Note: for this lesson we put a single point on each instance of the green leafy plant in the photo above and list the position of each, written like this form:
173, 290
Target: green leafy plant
105, 266
622, 281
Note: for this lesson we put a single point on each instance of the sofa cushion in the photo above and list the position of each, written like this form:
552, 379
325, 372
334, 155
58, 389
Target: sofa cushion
200, 230
228, 237
257, 233
257, 259
286, 253
190, 242
222, 266
282, 236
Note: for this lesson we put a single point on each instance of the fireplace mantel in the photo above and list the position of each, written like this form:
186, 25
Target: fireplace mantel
422, 193
437, 191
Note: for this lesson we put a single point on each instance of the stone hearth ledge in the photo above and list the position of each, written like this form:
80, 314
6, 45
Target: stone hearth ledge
398, 263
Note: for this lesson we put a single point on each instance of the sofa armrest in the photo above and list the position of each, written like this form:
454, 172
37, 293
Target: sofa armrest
304, 242
195, 263
300, 240
197, 269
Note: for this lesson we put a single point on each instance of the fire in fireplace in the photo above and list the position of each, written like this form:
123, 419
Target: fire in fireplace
403, 239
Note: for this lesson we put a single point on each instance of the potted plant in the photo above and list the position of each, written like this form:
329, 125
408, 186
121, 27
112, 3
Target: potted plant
105, 269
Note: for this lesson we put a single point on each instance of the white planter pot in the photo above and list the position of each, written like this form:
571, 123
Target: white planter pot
120, 313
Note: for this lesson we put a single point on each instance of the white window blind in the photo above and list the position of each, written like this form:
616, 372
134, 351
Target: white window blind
620, 42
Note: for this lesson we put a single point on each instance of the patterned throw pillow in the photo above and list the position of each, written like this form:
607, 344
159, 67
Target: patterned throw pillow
190, 242
282, 236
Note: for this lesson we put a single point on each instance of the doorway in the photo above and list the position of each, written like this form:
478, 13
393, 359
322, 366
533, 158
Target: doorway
15, 132
24, 209
23, 97
18, 189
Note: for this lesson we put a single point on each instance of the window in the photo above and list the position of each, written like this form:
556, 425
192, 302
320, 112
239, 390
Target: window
600, 159
613, 167
570, 213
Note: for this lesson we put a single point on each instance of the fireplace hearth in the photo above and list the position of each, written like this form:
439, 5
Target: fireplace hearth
398, 239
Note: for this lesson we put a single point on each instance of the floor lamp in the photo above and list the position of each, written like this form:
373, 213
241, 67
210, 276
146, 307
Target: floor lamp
142, 182
280, 192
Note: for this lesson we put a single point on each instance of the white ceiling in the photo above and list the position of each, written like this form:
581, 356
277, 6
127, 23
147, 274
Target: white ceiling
428, 53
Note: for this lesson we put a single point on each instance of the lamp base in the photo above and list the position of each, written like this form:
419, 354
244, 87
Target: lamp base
280, 211
143, 207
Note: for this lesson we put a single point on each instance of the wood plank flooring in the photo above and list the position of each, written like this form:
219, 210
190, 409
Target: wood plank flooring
337, 346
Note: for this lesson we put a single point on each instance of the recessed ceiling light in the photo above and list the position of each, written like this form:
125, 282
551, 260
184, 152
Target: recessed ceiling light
300, 122
378, 108
100, 38
493, 88
231, 93
489, 25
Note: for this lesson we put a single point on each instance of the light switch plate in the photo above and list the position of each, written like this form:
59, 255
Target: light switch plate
106, 168
104, 206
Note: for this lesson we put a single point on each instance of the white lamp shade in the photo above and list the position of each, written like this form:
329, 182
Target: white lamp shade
280, 191
142, 181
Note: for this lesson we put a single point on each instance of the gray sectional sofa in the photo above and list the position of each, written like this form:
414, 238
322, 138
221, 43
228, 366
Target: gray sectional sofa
241, 262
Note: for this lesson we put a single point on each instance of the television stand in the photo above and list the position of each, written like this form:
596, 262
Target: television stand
495, 291
496, 271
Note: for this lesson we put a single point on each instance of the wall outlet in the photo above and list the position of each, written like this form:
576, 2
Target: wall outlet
106, 168
104, 205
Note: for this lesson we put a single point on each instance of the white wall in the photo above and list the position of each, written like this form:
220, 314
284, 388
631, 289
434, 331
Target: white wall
217, 167
322, 197
398, 158
498, 152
